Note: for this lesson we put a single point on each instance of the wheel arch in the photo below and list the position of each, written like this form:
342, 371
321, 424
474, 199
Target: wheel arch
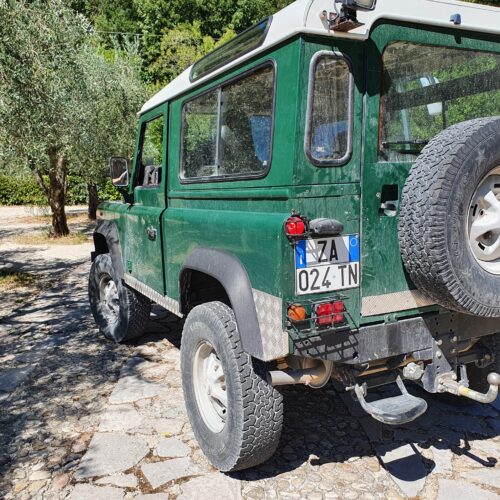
229, 272
107, 240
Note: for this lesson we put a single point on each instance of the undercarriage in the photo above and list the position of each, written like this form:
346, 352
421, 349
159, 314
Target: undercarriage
442, 353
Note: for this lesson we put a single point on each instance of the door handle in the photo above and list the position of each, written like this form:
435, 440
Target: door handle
151, 233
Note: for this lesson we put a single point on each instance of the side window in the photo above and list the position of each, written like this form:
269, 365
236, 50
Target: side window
199, 127
247, 109
428, 88
227, 132
328, 140
149, 160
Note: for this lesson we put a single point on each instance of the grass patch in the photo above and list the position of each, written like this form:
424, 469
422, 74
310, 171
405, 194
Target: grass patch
46, 238
15, 279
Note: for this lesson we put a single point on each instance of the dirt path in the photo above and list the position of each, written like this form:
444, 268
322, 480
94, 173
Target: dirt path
46, 262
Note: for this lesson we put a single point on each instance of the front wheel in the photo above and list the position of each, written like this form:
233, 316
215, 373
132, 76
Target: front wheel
120, 313
236, 415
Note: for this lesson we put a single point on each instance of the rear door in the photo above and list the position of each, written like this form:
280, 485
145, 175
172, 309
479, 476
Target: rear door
143, 249
327, 171
419, 81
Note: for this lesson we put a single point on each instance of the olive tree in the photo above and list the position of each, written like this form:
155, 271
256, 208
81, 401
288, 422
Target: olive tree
63, 103
107, 124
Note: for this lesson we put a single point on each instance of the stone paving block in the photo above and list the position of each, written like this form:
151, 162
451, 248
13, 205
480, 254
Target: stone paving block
120, 480
153, 496
120, 418
111, 453
131, 388
486, 475
89, 492
442, 459
405, 466
172, 448
164, 426
14, 377
211, 486
159, 473
450, 489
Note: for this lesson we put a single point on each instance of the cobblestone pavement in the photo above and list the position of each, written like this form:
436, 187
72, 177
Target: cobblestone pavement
83, 418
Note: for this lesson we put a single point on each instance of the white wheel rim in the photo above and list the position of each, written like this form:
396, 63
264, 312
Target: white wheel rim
109, 296
483, 222
210, 387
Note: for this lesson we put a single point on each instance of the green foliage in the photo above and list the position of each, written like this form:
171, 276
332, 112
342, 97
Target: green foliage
17, 190
191, 28
66, 103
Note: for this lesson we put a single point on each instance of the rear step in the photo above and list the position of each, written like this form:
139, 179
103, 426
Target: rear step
396, 410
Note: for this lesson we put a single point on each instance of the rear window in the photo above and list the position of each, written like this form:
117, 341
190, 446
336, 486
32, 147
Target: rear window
227, 132
329, 116
427, 88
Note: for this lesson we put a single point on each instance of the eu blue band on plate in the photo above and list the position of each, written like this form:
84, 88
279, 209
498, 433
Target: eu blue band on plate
300, 254
353, 248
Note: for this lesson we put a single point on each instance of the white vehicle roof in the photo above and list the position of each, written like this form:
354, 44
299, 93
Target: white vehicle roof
304, 16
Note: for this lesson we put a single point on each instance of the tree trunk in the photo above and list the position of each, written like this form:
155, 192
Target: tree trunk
56, 192
93, 200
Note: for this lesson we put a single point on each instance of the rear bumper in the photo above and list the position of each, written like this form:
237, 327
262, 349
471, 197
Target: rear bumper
415, 336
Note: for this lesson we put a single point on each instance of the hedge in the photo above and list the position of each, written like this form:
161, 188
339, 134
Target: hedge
25, 191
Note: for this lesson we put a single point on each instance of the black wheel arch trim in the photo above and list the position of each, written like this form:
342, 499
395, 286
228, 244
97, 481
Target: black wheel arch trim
109, 231
230, 272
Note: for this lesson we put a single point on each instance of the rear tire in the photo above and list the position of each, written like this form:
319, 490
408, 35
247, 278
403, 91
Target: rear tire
120, 312
452, 193
235, 414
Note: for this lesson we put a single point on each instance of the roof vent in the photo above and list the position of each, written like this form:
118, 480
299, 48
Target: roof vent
456, 19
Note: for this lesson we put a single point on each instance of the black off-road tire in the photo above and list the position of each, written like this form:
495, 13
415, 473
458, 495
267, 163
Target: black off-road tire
133, 308
254, 417
433, 217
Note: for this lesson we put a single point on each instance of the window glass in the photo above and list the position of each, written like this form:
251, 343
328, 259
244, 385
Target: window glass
428, 88
228, 131
151, 153
247, 107
246, 41
328, 140
199, 158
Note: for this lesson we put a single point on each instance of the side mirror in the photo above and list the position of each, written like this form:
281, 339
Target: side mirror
118, 168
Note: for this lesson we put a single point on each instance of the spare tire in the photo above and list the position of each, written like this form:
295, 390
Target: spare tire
449, 222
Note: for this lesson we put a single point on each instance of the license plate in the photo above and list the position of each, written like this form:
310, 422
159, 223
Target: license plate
327, 264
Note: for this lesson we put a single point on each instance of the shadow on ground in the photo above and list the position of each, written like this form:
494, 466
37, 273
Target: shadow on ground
323, 426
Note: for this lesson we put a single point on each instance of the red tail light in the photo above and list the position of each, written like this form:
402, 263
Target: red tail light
338, 312
295, 226
329, 313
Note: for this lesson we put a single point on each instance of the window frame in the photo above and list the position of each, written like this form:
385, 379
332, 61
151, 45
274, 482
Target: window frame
219, 89
138, 156
338, 162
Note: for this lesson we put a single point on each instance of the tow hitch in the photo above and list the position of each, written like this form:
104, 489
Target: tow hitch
447, 384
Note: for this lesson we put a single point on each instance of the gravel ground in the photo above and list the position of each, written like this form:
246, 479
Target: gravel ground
82, 418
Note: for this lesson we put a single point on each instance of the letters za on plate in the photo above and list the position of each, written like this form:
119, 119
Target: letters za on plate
326, 264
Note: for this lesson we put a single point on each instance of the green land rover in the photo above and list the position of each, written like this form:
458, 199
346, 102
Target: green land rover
319, 198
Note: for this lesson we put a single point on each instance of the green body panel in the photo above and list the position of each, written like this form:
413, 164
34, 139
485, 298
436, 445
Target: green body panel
382, 268
142, 255
246, 217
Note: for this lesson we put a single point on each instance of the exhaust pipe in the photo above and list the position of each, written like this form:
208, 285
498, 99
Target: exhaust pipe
460, 390
316, 376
